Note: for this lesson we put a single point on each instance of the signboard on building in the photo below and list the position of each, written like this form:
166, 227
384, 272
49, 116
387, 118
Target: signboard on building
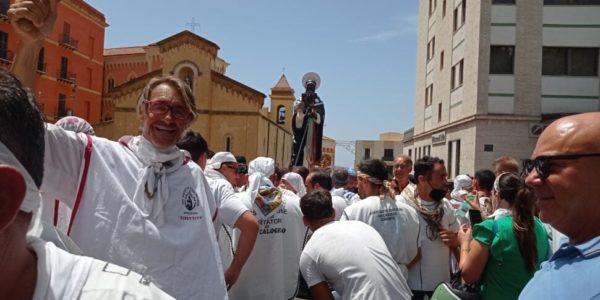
438, 138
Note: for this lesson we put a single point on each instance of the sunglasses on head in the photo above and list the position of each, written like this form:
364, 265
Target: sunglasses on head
543, 163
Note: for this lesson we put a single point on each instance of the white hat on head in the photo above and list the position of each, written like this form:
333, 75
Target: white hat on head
259, 171
296, 181
220, 158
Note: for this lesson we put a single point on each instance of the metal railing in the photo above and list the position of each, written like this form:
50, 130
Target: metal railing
68, 41
65, 76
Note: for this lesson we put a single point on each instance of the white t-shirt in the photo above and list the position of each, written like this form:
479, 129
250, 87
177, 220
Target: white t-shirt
230, 209
434, 265
354, 260
396, 222
61, 275
180, 256
271, 271
339, 204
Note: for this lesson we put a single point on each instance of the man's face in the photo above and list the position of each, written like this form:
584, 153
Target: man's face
437, 180
229, 171
362, 184
309, 186
402, 167
567, 197
163, 129
351, 185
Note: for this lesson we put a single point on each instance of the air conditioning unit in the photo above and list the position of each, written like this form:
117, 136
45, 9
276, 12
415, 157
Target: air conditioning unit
535, 129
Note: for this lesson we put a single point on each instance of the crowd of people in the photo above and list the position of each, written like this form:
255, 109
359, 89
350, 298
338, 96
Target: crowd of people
160, 216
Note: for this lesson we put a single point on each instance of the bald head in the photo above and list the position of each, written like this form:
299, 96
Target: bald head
568, 155
573, 134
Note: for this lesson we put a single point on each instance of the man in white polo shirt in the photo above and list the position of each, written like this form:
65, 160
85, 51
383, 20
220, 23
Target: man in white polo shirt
351, 257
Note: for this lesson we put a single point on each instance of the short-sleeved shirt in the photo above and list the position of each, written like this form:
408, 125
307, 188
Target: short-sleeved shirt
61, 275
354, 260
434, 266
396, 222
505, 273
571, 273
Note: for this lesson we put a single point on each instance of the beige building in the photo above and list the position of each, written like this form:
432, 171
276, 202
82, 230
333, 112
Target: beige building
492, 74
231, 114
387, 147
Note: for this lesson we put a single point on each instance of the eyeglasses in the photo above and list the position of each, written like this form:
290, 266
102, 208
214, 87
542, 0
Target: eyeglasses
231, 166
242, 169
543, 163
161, 108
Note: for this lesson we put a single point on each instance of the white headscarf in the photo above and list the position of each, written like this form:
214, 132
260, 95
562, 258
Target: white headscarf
259, 171
213, 164
461, 183
296, 181
152, 195
33, 199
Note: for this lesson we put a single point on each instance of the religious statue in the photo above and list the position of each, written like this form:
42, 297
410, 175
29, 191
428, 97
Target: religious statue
307, 124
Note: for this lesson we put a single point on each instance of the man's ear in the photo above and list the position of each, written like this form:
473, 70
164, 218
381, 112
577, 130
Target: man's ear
12, 193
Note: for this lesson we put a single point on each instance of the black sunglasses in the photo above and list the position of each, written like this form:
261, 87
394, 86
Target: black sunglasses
242, 169
543, 163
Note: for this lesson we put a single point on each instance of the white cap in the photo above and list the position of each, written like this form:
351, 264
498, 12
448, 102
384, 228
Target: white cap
219, 158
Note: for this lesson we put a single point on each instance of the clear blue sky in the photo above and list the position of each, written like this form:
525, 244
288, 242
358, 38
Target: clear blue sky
364, 51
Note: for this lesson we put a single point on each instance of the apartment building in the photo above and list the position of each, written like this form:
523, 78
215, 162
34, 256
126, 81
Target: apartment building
492, 74
69, 67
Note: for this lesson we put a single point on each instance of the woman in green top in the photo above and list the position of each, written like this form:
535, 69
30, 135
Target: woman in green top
508, 249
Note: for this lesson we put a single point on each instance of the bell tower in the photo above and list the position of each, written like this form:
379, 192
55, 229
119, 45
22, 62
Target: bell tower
282, 103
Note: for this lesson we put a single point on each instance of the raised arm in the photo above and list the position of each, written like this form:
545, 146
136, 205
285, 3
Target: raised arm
33, 20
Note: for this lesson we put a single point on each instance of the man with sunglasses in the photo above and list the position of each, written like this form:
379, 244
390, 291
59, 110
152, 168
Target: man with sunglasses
221, 171
563, 170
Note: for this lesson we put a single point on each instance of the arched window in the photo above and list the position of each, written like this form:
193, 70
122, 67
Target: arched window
281, 114
187, 71
187, 74
228, 142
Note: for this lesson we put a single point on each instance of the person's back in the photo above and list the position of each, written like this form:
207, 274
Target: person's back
271, 271
396, 222
355, 261
62, 275
505, 273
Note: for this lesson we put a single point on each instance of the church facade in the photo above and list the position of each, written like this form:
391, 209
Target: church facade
232, 116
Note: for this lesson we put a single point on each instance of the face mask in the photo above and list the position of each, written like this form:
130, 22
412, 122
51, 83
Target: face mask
436, 194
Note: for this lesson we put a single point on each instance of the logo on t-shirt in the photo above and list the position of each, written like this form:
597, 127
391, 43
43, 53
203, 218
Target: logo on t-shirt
190, 198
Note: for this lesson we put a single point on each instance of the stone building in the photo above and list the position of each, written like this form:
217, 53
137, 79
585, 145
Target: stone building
492, 74
231, 114
386, 148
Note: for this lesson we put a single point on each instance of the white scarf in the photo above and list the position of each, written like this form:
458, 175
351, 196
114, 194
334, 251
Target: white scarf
153, 193
259, 170
33, 199
297, 182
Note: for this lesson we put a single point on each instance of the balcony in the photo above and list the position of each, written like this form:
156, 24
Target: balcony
6, 57
68, 41
67, 77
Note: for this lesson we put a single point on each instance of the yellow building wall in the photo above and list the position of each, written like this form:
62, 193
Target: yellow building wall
225, 108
